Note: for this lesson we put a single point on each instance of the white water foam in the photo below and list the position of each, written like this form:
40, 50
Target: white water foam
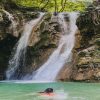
24, 81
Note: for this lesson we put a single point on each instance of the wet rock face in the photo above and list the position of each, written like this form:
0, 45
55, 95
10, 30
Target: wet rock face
88, 65
6, 46
89, 23
78, 39
12, 19
88, 60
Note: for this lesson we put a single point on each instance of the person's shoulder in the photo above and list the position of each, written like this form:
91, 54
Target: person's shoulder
46, 94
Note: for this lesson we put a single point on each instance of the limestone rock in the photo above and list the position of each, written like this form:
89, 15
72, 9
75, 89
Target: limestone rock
97, 42
78, 38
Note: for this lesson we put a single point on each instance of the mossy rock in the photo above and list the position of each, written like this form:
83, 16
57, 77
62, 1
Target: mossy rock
47, 17
1, 18
83, 66
82, 54
31, 15
91, 54
97, 41
1, 8
84, 60
42, 25
96, 60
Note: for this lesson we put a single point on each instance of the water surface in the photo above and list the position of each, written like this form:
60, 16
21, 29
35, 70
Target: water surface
63, 91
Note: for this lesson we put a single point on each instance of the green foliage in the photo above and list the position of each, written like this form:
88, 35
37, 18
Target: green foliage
49, 5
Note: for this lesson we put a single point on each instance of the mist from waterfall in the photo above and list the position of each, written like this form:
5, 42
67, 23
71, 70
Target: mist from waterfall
18, 55
63, 54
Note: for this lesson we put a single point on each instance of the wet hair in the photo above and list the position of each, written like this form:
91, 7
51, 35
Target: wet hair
49, 90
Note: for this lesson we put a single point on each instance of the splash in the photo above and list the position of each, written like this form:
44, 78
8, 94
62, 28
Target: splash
58, 95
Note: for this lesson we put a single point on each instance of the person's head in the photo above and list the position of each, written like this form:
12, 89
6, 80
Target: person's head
49, 90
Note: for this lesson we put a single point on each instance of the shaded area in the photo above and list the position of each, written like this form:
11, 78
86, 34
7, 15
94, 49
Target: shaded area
6, 46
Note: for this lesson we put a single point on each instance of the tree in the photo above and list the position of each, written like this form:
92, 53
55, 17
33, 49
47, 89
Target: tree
52, 5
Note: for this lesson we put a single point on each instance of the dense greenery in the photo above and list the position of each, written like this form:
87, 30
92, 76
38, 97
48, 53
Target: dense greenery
53, 5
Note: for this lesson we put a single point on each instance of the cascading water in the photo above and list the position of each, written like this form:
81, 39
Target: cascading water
56, 61
20, 49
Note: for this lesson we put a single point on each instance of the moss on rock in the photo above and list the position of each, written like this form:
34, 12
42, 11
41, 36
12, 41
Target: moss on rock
97, 42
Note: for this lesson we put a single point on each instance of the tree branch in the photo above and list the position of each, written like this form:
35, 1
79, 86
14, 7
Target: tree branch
63, 3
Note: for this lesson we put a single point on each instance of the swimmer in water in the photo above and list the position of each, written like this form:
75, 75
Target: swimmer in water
48, 92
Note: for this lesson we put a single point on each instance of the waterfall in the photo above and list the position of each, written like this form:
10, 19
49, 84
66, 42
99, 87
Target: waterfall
20, 49
62, 55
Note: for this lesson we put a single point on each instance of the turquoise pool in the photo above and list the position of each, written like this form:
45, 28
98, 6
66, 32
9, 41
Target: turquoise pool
63, 91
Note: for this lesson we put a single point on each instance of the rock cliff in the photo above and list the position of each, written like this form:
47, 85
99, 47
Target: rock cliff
85, 65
